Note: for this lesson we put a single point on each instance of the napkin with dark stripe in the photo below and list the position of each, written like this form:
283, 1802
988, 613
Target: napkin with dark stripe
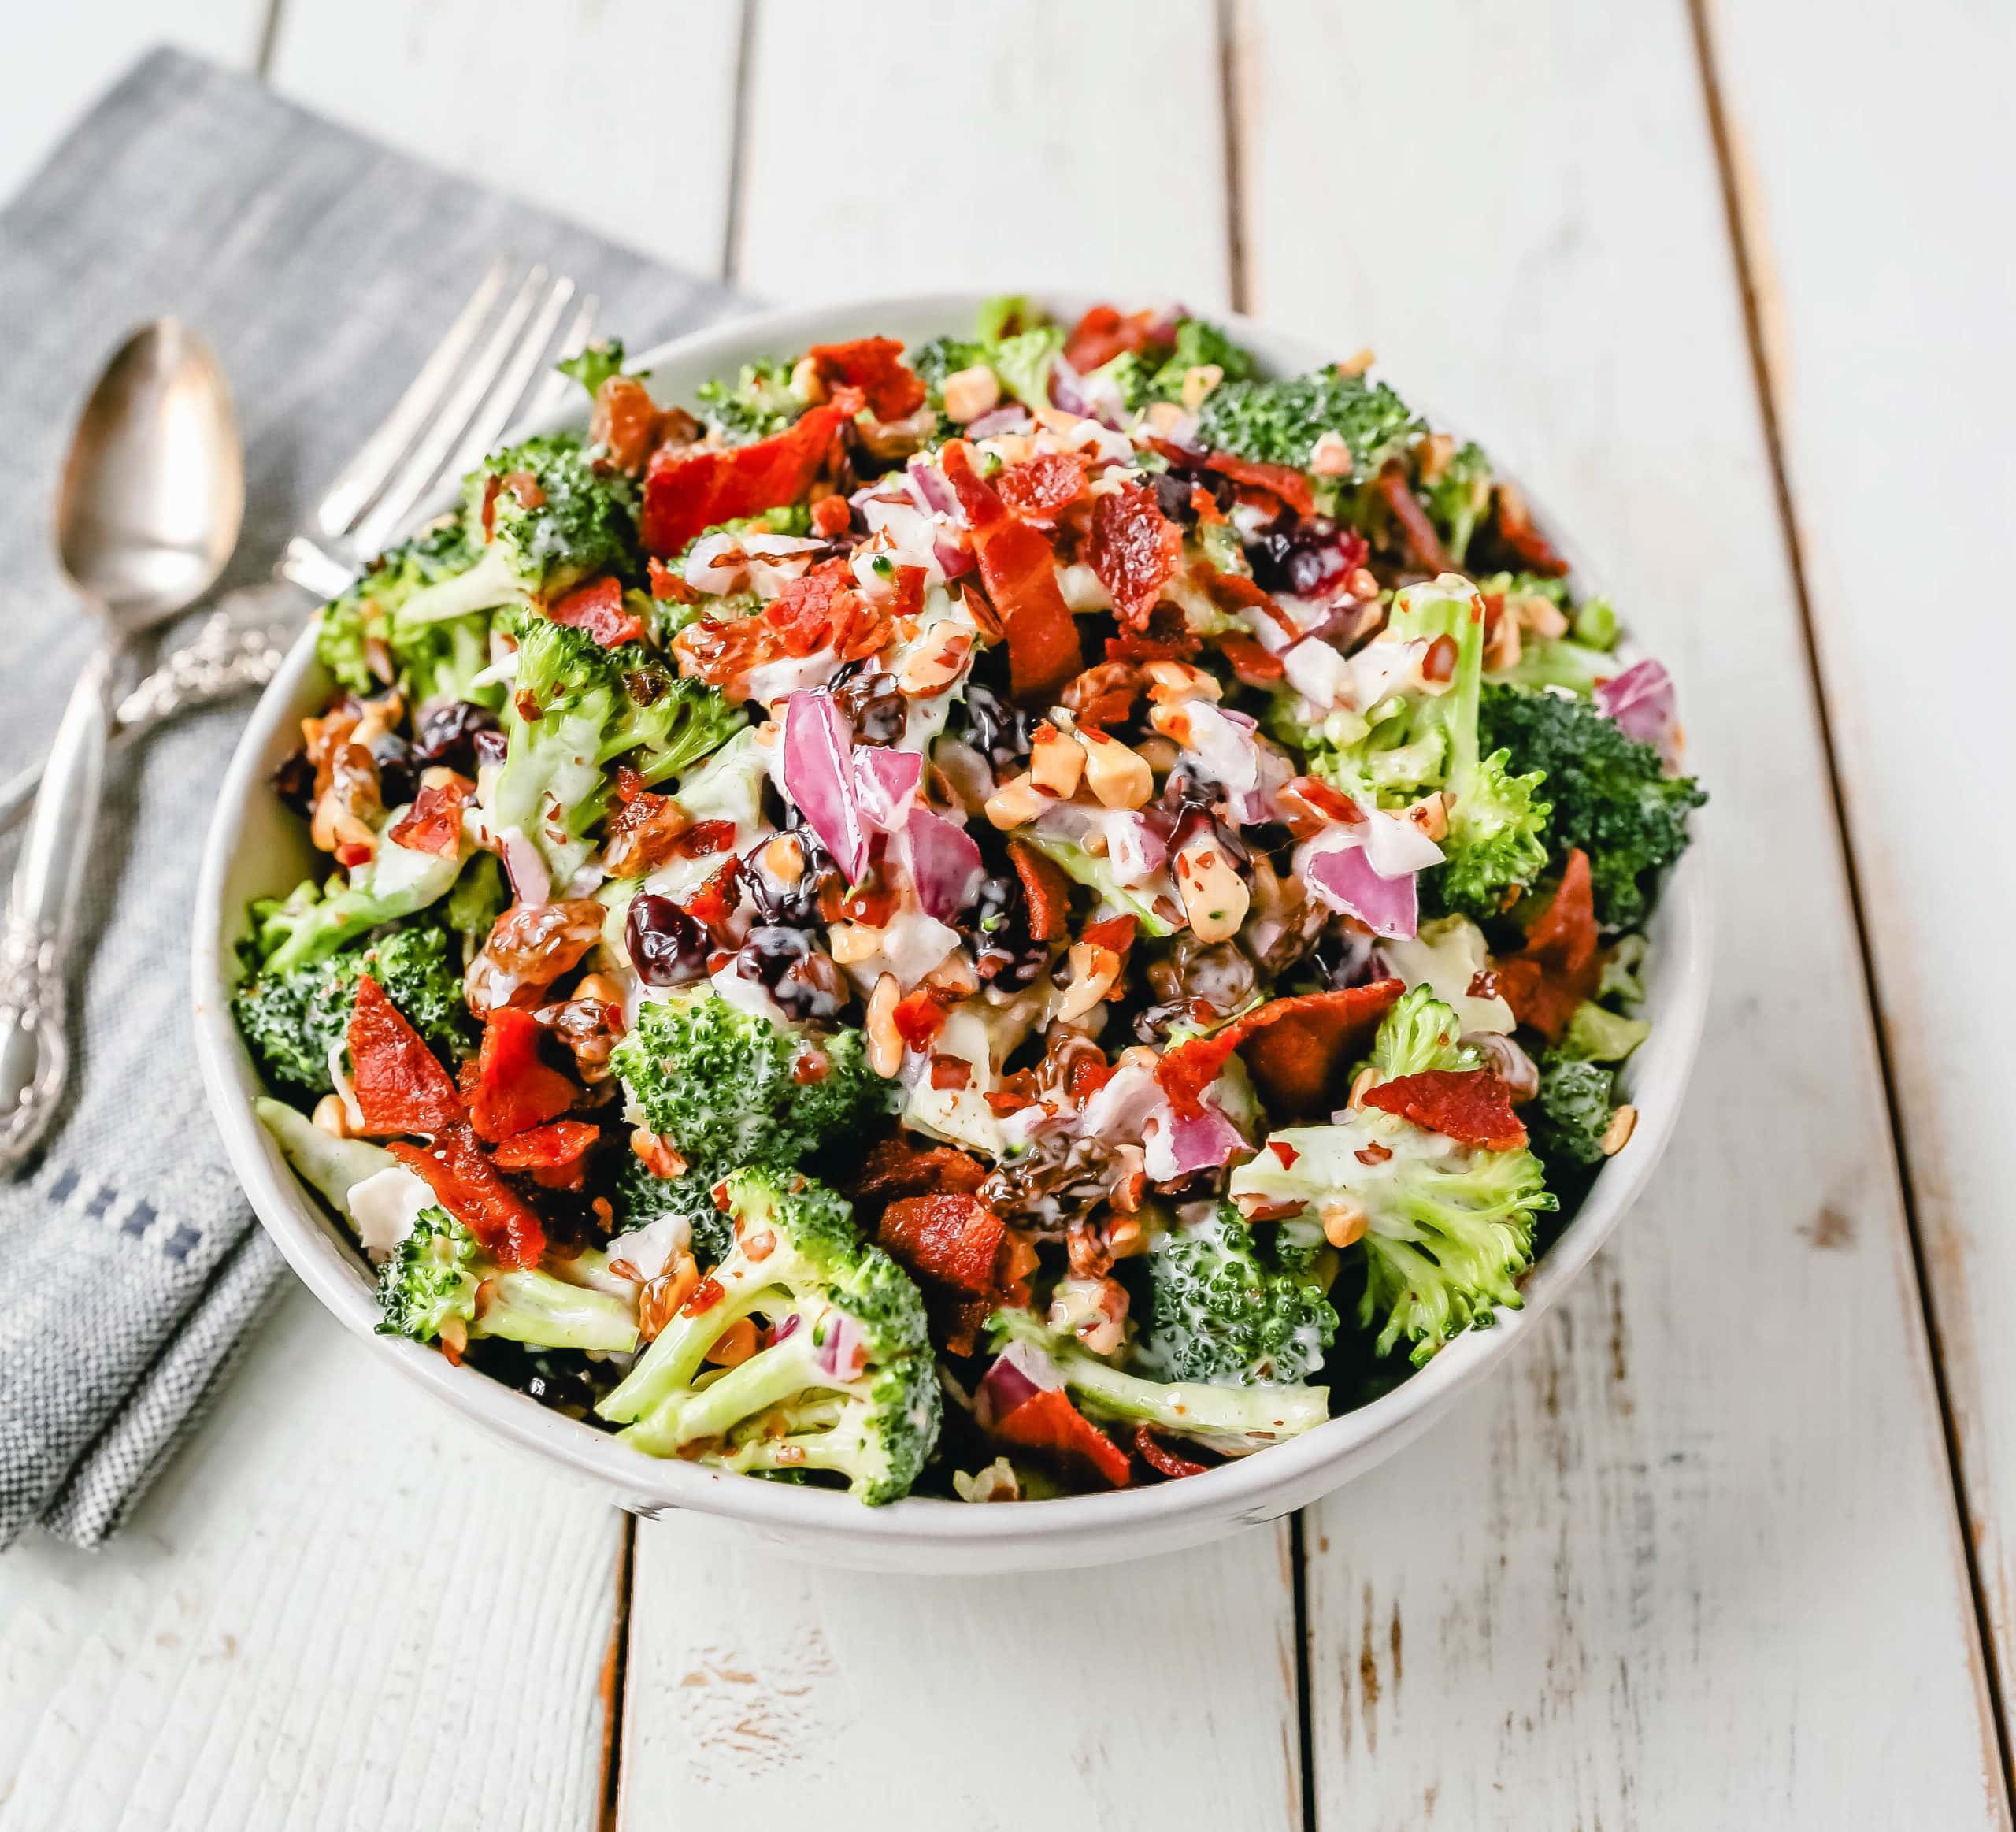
322, 268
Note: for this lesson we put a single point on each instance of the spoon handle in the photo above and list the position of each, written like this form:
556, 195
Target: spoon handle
34, 1048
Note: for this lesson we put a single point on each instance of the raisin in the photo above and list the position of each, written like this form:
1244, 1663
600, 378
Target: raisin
666, 946
448, 734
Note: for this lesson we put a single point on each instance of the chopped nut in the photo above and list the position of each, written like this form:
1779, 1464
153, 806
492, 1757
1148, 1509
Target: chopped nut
1430, 815
852, 943
784, 859
1616, 1135
1357, 364
1116, 774
1056, 762
1174, 680
1093, 1310
1547, 621
1344, 1222
1360, 1087
1016, 804
656, 1153
970, 392
1165, 417
1434, 452
1093, 972
806, 382
1215, 898
955, 974
331, 1116
1501, 643
601, 988
936, 663
1199, 382
885, 1042
1331, 457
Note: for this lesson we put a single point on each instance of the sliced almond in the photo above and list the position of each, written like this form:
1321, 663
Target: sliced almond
1057, 762
1116, 773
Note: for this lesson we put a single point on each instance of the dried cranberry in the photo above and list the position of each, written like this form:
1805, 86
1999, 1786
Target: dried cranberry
803, 980
666, 946
873, 703
1004, 951
1308, 558
1002, 731
490, 746
448, 734
398, 771
293, 782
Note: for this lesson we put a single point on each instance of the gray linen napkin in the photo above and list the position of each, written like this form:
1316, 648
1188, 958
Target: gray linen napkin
322, 268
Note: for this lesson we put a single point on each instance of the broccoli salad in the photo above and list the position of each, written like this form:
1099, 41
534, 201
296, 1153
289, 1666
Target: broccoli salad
1014, 916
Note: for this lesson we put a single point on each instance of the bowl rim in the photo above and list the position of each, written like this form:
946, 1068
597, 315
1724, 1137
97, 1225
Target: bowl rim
328, 1264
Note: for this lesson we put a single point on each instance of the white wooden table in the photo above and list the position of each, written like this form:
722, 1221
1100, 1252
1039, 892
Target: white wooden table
1734, 1544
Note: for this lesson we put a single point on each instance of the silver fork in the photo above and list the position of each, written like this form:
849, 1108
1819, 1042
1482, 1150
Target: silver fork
493, 369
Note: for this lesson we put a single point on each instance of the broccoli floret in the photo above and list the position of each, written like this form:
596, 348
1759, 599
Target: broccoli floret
1218, 1314
1096, 873
760, 401
582, 524
1156, 373
429, 660
1611, 795
1018, 345
845, 1383
721, 1083
1571, 1113
595, 363
292, 1018
1597, 1034
1458, 497
578, 708
1230, 1419
1448, 1228
638, 1197
1279, 423
440, 1284
331, 1167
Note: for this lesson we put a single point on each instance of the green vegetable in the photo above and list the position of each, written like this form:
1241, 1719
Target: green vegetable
1220, 1314
292, 1018
1609, 794
850, 1388
1279, 423
1158, 373
439, 1283
1010, 340
1448, 1227
1232, 1419
595, 363
1571, 1113
1096, 873
638, 1197
429, 662
1598, 1035
1456, 500
760, 401
314, 920
331, 1166
720, 1083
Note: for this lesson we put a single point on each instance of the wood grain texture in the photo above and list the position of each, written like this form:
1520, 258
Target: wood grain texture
343, 1606
1043, 144
618, 114
1148, 1695
1695, 1562
59, 58
1886, 291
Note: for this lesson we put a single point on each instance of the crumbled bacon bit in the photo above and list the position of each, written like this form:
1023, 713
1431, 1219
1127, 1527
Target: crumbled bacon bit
876, 366
467, 1185
1293, 1048
706, 1294
1040, 489
625, 422
598, 610
1019, 572
688, 490
952, 1072
433, 823
950, 1237
398, 1084
525, 486
1421, 539
1134, 549
1374, 1153
1253, 664
1484, 985
1439, 662
511, 1090
1102, 334
919, 1017
1471, 1105
1283, 1151
1162, 1460
669, 585
831, 517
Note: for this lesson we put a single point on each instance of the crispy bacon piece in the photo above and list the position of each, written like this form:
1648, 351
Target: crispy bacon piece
820, 609
830, 517
689, 489
876, 366
1103, 695
1038, 489
1102, 334
547, 1147
642, 833
1254, 665
951, 1238
1472, 1105
1516, 529
1295, 1049
1134, 550
398, 1084
1020, 573
466, 1184
896, 1168
512, 1091
669, 585
1164, 640
597, 609
1114, 932
1422, 541
624, 421
1047, 887
1048, 1423
919, 1016
1558, 969
1161, 1459
1290, 486
433, 823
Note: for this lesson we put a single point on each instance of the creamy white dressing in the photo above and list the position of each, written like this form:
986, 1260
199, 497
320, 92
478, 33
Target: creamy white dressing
648, 1250
384, 1207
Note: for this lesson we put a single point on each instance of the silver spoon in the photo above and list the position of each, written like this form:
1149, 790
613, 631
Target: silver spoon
153, 494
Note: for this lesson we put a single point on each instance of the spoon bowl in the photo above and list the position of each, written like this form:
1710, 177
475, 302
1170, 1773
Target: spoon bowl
153, 490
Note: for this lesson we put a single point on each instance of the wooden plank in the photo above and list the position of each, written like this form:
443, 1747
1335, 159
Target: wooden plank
1885, 293
1695, 1561
343, 1605
1043, 144
60, 58
620, 115
1144, 1695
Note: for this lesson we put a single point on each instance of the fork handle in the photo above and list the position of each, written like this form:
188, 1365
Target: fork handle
35, 1047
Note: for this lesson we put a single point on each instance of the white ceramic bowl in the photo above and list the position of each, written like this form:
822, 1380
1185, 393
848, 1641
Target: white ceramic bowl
256, 848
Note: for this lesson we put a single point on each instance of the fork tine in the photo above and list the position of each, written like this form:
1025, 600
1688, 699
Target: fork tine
365, 474
501, 409
414, 477
553, 391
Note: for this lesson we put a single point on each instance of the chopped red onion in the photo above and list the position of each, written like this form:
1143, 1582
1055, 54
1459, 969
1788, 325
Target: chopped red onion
945, 863
844, 1353
885, 781
819, 778
531, 884
1067, 389
931, 488
789, 1327
954, 560
1019, 1372
1342, 877
1641, 701
1203, 1141
1010, 417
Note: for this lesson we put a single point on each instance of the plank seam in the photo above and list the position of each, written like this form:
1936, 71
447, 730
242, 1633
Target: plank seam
1298, 1587
618, 1671
1762, 379
1235, 154
738, 144
269, 39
